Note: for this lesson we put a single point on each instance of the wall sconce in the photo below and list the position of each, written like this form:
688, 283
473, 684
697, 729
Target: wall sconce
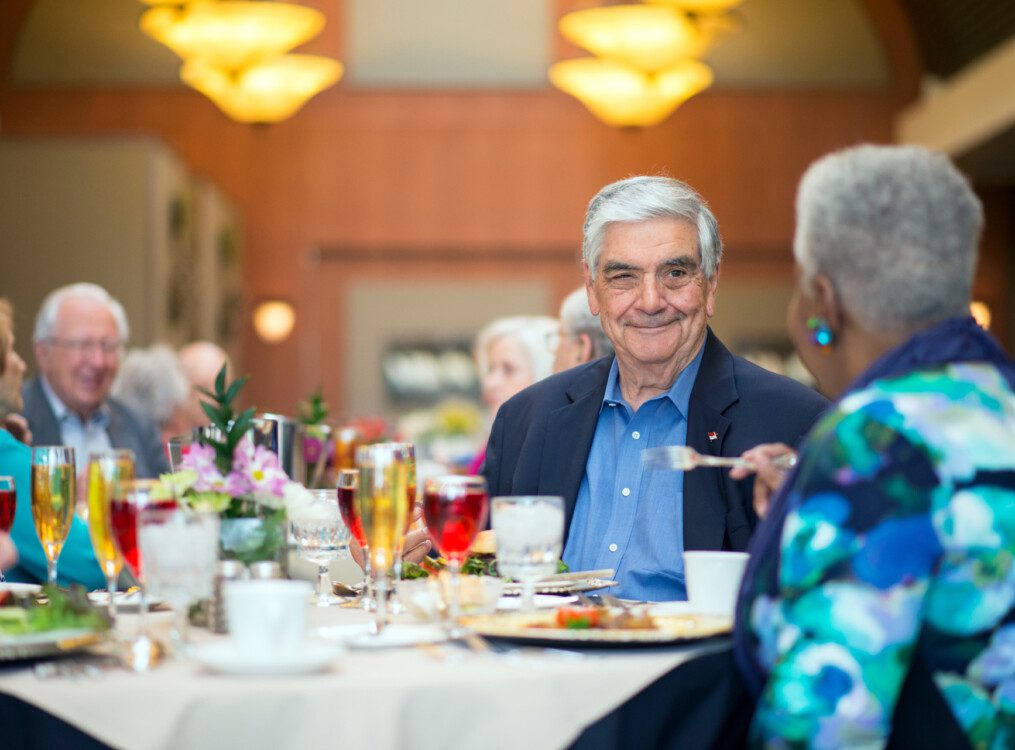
274, 320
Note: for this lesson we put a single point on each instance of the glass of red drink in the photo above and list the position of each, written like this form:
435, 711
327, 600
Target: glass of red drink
348, 506
8, 504
455, 508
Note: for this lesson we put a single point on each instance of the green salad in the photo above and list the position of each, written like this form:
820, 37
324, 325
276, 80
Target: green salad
61, 609
474, 565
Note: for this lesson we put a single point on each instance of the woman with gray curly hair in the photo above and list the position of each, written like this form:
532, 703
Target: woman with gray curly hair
152, 382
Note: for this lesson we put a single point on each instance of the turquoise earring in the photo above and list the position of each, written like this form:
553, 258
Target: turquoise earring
821, 333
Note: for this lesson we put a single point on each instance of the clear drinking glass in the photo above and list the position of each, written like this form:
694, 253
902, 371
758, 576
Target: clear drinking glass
530, 533
383, 502
53, 498
180, 552
455, 509
105, 469
8, 504
321, 536
177, 447
348, 505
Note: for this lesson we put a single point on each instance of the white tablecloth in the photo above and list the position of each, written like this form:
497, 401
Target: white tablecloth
402, 698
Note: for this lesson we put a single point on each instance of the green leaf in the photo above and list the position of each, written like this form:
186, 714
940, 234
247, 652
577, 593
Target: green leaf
234, 389
220, 384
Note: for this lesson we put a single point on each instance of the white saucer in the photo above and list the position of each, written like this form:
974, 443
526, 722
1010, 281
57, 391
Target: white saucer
393, 636
224, 658
20, 589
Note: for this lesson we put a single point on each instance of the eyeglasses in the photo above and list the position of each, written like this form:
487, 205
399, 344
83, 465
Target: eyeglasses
84, 346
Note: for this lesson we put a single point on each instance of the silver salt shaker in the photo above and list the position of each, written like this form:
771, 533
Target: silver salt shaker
263, 570
227, 570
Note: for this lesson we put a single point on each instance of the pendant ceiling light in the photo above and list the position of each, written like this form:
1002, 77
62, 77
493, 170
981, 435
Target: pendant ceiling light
623, 96
648, 37
268, 91
699, 6
232, 33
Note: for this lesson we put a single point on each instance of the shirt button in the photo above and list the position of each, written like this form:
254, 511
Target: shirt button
625, 492
613, 548
636, 434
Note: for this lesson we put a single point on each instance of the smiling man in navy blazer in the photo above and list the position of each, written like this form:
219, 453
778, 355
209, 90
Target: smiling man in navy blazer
651, 254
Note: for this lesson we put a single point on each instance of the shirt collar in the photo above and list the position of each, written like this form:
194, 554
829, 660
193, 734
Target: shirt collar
679, 393
62, 412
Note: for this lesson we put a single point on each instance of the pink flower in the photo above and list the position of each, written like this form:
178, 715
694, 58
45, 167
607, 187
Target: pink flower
258, 469
201, 459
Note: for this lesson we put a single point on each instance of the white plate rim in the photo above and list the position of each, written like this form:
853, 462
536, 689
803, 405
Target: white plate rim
356, 635
222, 657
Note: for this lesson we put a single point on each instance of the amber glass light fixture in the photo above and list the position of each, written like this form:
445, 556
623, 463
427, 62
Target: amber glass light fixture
232, 33
267, 91
623, 96
647, 37
699, 6
274, 320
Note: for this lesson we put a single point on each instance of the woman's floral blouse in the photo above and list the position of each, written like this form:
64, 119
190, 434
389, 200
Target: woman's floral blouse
900, 538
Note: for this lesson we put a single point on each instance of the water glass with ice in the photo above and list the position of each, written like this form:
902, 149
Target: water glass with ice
530, 533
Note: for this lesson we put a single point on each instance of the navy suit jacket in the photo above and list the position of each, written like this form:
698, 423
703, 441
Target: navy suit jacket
126, 429
541, 438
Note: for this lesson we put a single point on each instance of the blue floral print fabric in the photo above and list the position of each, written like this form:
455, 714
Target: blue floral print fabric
899, 540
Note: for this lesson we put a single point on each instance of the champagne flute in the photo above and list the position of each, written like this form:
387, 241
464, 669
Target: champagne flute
8, 504
408, 453
347, 440
129, 498
53, 500
180, 553
383, 506
105, 469
455, 509
530, 533
321, 536
348, 506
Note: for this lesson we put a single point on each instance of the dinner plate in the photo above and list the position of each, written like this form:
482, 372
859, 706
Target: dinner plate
46, 643
223, 657
396, 635
512, 588
126, 601
20, 589
541, 601
540, 629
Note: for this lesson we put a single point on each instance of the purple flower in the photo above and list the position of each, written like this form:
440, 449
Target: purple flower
201, 459
257, 469
311, 449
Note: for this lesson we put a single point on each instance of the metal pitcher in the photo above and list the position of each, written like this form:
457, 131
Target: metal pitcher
283, 436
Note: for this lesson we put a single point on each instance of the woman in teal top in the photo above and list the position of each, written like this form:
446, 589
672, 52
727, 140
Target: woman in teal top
77, 560
886, 564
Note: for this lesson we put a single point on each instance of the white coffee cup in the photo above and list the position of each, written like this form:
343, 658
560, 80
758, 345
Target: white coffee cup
713, 580
267, 617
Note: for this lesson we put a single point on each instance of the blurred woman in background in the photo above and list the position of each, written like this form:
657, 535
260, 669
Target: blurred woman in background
12, 371
879, 596
511, 354
152, 382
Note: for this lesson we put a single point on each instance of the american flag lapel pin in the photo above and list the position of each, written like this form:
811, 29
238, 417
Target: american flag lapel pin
713, 436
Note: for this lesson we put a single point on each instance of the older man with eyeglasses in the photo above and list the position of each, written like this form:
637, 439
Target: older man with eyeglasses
80, 333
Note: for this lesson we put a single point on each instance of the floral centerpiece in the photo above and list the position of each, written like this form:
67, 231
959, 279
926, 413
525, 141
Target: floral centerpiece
244, 483
318, 446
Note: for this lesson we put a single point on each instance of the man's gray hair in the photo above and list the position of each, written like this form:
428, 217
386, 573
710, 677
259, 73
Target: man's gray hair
45, 320
151, 381
640, 198
530, 331
576, 318
895, 229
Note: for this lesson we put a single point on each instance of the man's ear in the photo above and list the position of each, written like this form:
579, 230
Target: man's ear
712, 286
590, 288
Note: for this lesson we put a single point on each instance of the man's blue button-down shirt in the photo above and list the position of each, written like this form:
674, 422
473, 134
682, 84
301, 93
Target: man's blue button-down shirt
625, 518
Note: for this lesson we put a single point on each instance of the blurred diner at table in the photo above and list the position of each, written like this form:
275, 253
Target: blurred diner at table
580, 338
511, 354
651, 254
879, 596
201, 362
12, 370
77, 561
152, 382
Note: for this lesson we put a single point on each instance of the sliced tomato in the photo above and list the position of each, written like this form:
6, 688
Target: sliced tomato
578, 618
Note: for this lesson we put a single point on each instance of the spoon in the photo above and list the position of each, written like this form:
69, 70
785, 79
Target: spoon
685, 458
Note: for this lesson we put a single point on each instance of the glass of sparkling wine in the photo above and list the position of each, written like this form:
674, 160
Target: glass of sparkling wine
408, 453
8, 504
180, 552
455, 509
383, 501
348, 505
530, 532
105, 469
53, 500
321, 536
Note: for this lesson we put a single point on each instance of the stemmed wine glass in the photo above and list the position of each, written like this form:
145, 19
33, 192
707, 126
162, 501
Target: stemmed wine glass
348, 505
408, 453
53, 499
180, 552
129, 498
455, 509
530, 533
383, 502
321, 536
8, 504
105, 469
